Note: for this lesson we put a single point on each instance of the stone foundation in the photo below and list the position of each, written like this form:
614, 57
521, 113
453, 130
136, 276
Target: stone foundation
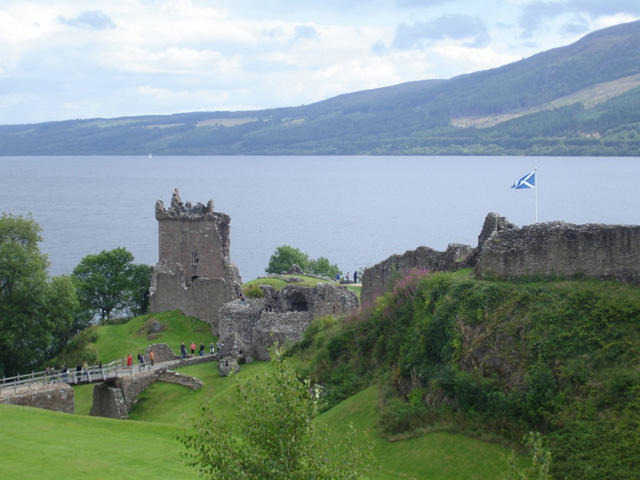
58, 397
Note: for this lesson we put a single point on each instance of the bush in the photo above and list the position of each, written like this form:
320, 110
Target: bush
253, 291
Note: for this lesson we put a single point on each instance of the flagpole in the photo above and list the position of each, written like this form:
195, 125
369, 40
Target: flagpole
536, 189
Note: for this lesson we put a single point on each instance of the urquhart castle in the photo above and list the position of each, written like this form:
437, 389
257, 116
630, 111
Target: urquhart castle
195, 274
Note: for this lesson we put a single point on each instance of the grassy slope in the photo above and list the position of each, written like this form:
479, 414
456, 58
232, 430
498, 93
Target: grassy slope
436, 456
55, 445
116, 341
39, 444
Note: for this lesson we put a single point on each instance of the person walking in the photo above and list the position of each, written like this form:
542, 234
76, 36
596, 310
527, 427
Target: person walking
152, 358
129, 360
183, 350
140, 362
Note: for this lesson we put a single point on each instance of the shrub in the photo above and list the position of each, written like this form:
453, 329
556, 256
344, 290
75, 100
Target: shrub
253, 291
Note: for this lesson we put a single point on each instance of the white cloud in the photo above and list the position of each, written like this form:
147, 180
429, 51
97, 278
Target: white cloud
67, 59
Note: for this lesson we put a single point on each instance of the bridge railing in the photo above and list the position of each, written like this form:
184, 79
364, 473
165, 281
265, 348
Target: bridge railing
90, 374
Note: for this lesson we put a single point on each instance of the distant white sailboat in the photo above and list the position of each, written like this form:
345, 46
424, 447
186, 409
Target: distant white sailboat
150, 156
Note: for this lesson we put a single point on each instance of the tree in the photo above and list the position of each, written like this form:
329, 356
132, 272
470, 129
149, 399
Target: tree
274, 435
322, 266
285, 257
35, 312
109, 283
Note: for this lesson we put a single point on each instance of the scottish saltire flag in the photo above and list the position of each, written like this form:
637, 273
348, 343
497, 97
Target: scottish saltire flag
528, 181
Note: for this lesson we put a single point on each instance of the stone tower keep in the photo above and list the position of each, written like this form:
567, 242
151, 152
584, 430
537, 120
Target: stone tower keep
194, 273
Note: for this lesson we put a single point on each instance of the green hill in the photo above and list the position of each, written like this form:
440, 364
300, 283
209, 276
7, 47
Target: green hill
440, 373
497, 358
581, 99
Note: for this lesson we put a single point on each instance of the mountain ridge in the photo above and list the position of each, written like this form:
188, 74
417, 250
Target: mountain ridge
579, 99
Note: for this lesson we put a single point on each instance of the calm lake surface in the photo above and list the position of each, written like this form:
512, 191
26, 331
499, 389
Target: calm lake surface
356, 211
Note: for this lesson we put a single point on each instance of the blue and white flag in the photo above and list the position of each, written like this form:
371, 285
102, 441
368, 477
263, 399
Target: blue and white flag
528, 181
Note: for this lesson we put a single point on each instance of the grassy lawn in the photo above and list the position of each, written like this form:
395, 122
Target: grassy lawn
39, 444
145, 447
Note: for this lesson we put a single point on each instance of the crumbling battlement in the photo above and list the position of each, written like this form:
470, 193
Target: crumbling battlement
378, 279
606, 252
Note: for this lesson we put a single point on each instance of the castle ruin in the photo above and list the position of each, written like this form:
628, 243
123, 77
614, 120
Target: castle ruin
194, 273
504, 250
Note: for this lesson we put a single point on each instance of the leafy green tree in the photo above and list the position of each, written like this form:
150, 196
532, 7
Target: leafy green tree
139, 300
36, 313
285, 257
274, 435
322, 266
109, 283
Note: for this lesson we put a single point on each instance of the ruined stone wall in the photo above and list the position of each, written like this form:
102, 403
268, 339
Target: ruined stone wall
196, 243
284, 328
240, 319
606, 252
323, 299
58, 397
202, 299
378, 278
293, 309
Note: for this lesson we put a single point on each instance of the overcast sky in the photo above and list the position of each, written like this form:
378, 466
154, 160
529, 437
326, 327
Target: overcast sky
66, 59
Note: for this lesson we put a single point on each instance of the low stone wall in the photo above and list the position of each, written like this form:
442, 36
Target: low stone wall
58, 397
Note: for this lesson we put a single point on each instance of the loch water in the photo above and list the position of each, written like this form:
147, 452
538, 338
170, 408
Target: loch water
354, 210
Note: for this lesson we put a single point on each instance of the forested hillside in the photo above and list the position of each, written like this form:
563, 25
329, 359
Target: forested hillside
581, 99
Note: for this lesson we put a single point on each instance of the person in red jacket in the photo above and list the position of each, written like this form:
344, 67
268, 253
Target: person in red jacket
129, 360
